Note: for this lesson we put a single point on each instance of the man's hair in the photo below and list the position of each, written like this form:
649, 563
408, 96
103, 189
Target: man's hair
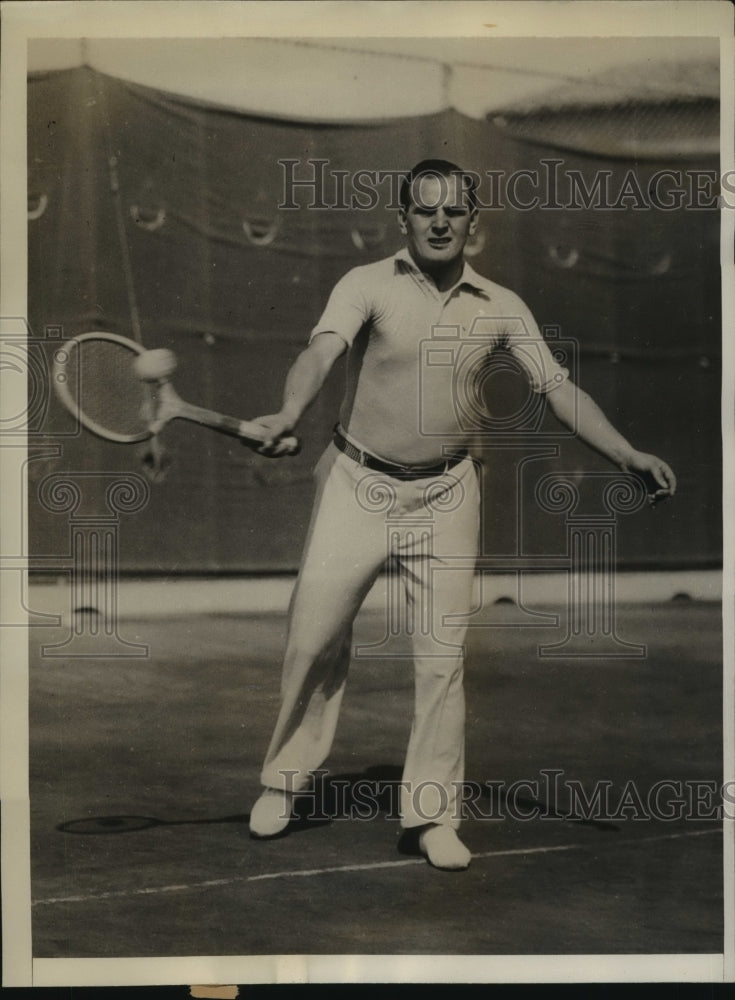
436, 168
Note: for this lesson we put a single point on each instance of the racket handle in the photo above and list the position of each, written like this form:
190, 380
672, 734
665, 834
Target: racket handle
171, 406
250, 433
286, 446
253, 436
291, 445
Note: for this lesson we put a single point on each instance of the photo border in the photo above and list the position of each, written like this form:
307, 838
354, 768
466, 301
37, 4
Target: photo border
22, 21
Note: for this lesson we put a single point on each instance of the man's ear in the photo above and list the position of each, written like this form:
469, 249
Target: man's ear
402, 225
474, 219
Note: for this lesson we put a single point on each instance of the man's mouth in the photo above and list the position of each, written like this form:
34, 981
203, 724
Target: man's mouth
440, 241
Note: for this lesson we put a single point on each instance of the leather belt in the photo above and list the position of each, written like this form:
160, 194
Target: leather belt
397, 471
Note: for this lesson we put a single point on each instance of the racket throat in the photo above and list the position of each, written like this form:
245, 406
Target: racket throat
166, 406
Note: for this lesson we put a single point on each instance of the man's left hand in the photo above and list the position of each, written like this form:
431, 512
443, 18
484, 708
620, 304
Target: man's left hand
659, 479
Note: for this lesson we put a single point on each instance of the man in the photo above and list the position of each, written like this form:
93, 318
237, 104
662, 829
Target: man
388, 491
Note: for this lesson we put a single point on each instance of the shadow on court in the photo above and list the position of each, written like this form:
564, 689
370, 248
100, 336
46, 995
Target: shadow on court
592, 787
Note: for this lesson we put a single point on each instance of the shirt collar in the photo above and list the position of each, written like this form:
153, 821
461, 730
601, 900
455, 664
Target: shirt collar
469, 276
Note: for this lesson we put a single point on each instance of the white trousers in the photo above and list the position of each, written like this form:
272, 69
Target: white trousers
427, 531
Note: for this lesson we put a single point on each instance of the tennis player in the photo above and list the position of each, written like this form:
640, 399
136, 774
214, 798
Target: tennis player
388, 492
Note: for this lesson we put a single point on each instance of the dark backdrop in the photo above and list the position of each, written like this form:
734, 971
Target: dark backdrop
234, 284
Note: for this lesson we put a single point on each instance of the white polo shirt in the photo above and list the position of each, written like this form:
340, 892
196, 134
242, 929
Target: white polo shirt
413, 349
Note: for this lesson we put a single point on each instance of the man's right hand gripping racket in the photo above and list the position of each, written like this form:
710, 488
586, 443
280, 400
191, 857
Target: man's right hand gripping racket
123, 393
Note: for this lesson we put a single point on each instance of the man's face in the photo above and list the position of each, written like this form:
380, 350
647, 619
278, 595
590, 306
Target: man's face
438, 221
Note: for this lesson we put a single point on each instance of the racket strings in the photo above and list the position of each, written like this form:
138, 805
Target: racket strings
106, 390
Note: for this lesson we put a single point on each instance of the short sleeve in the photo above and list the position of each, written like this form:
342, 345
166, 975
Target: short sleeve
527, 345
347, 308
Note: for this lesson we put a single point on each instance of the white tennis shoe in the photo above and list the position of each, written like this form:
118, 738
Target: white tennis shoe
443, 849
271, 814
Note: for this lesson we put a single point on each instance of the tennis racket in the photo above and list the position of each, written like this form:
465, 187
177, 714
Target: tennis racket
121, 392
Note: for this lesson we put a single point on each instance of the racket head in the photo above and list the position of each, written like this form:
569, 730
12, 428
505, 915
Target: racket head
94, 377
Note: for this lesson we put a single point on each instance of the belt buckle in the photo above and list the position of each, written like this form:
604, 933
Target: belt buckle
414, 472
404, 470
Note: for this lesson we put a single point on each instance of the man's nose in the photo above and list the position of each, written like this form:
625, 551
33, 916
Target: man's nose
440, 220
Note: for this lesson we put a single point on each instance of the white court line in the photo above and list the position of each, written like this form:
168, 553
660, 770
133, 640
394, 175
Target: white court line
370, 866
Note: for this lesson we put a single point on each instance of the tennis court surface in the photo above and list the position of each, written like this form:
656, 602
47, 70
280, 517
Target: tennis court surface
143, 771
